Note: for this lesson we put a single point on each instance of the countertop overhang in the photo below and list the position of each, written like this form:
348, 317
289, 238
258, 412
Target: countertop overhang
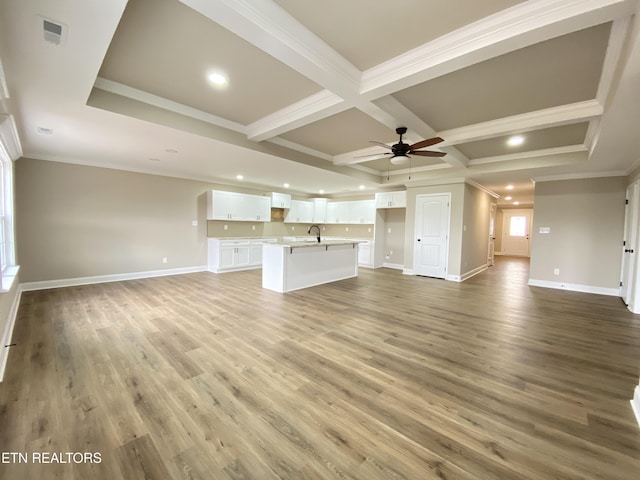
308, 243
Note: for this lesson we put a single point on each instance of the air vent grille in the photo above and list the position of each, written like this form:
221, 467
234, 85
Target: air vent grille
52, 32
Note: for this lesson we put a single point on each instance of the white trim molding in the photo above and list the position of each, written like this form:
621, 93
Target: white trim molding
395, 266
8, 333
635, 403
118, 277
575, 287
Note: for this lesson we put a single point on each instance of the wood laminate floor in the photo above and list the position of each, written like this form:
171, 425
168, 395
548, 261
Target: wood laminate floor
384, 376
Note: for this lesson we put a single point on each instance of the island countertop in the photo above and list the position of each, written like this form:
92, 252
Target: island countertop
312, 243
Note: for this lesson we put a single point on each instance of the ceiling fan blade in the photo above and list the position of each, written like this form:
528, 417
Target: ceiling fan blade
373, 155
428, 153
381, 144
426, 143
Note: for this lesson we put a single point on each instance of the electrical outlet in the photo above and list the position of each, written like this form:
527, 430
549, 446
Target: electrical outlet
226, 227
253, 227
194, 223
556, 271
164, 260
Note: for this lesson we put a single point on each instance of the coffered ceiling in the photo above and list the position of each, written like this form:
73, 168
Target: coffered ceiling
310, 84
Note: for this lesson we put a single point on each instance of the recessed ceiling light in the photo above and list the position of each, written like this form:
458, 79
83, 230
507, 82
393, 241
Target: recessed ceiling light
218, 79
45, 130
240, 177
515, 141
508, 197
509, 187
516, 203
286, 185
321, 191
361, 187
154, 159
171, 150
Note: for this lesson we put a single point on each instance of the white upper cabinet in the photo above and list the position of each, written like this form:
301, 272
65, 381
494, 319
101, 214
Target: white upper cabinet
362, 211
225, 205
280, 200
234, 206
319, 210
258, 208
338, 212
300, 212
391, 199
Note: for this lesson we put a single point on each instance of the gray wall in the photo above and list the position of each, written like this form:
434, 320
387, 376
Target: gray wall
586, 218
470, 208
394, 234
475, 229
76, 221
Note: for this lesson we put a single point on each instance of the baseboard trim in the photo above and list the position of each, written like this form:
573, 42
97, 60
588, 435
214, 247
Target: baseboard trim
395, 266
8, 333
472, 273
408, 271
635, 403
575, 287
118, 277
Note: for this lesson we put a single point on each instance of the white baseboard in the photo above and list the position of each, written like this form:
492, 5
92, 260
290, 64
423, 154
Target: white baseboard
8, 333
396, 266
408, 271
467, 275
118, 277
575, 287
635, 403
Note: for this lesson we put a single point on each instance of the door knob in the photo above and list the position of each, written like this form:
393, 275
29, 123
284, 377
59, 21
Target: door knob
418, 239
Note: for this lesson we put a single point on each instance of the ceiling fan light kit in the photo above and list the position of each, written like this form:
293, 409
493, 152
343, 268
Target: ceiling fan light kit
399, 159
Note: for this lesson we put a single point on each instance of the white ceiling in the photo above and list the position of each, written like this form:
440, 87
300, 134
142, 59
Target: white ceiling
311, 83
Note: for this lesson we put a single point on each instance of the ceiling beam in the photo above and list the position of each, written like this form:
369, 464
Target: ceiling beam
504, 32
525, 122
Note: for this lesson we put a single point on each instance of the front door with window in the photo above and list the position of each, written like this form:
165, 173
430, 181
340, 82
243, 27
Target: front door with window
516, 233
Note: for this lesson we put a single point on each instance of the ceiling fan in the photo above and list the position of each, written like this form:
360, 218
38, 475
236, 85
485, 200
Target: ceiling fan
400, 151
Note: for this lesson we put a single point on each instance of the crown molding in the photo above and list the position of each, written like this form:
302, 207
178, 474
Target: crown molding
486, 190
10, 146
547, 152
4, 90
161, 102
548, 117
580, 176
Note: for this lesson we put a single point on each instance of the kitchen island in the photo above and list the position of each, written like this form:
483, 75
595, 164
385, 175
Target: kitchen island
292, 265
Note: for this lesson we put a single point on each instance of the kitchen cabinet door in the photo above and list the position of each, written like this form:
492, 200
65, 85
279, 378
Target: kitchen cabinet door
280, 200
300, 212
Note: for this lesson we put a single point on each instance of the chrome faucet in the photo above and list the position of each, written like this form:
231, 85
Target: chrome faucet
309, 231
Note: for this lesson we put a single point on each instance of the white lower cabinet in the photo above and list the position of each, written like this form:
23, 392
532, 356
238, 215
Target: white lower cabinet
227, 255
365, 253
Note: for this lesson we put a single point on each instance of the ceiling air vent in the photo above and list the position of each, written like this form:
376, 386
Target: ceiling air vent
53, 32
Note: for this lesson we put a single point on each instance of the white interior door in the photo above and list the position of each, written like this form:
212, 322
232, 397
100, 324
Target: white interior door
515, 232
629, 245
432, 235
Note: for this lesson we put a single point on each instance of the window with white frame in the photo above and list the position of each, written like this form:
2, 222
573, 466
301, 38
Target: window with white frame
7, 252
